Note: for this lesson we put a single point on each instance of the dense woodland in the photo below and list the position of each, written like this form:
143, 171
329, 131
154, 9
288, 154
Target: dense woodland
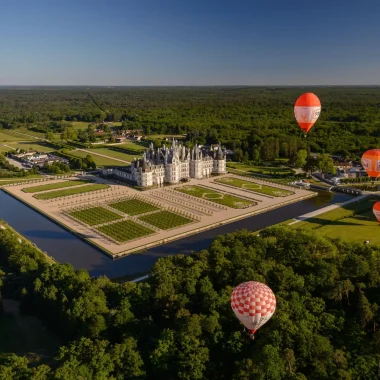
180, 325
255, 120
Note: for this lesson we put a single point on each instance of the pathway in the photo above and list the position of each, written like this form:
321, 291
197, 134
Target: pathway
326, 209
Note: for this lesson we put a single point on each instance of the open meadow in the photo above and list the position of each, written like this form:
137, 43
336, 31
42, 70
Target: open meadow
99, 160
353, 222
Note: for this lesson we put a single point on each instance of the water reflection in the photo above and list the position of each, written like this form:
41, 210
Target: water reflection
65, 247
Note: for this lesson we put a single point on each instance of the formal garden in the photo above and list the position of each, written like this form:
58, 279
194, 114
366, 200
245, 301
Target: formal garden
125, 230
165, 220
133, 206
216, 196
73, 191
253, 186
93, 216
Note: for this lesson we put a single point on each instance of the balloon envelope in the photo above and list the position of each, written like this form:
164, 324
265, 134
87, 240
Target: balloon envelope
253, 304
371, 162
376, 210
307, 110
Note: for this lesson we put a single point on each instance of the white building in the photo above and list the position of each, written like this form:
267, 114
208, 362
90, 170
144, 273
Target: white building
171, 165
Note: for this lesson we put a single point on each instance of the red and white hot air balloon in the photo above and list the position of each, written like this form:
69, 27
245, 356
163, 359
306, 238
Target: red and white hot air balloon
307, 110
253, 304
376, 210
371, 162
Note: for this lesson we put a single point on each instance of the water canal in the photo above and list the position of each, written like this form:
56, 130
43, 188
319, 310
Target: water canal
65, 247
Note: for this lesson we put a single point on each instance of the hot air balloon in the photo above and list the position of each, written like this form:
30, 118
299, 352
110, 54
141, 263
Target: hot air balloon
376, 210
307, 110
371, 162
253, 304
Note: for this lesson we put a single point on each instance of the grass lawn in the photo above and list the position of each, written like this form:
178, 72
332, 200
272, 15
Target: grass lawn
354, 222
32, 146
52, 186
165, 220
114, 154
95, 215
258, 188
100, 161
215, 196
125, 230
66, 192
133, 206
6, 181
25, 335
6, 136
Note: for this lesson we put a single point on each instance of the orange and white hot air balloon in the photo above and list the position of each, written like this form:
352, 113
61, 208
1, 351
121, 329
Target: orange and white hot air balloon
376, 210
371, 162
253, 304
307, 110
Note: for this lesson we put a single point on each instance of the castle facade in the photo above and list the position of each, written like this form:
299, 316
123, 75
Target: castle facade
171, 165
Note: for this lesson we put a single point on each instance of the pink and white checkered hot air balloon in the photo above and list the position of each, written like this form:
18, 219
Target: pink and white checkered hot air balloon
254, 304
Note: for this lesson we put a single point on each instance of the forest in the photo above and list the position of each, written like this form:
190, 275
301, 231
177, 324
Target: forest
253, 120
179, 324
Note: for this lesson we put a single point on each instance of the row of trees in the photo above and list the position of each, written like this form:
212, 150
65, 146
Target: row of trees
348, 125
179, 324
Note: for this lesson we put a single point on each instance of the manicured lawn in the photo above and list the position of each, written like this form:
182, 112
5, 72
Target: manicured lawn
6, 181
52, 186
354, 222
100, 161
134, 145
95, 215
215, 196
66, 192
125, 230
25, 335
165, 220
256, 187
133, 206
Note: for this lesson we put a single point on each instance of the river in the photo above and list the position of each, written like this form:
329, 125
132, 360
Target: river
65, 247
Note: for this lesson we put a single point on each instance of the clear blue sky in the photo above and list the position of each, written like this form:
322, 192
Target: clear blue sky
189, 42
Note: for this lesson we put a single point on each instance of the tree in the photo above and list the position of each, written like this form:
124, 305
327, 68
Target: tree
325, 164
301, 158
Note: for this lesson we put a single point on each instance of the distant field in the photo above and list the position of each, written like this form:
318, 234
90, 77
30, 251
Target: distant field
256, 187
100, 161
125, 231
165, 220
95, 215
66, 192
354, 222
114, 153
32, 146
215, 196
5, 136
133, 206
262, 169
177, 137
52, 186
